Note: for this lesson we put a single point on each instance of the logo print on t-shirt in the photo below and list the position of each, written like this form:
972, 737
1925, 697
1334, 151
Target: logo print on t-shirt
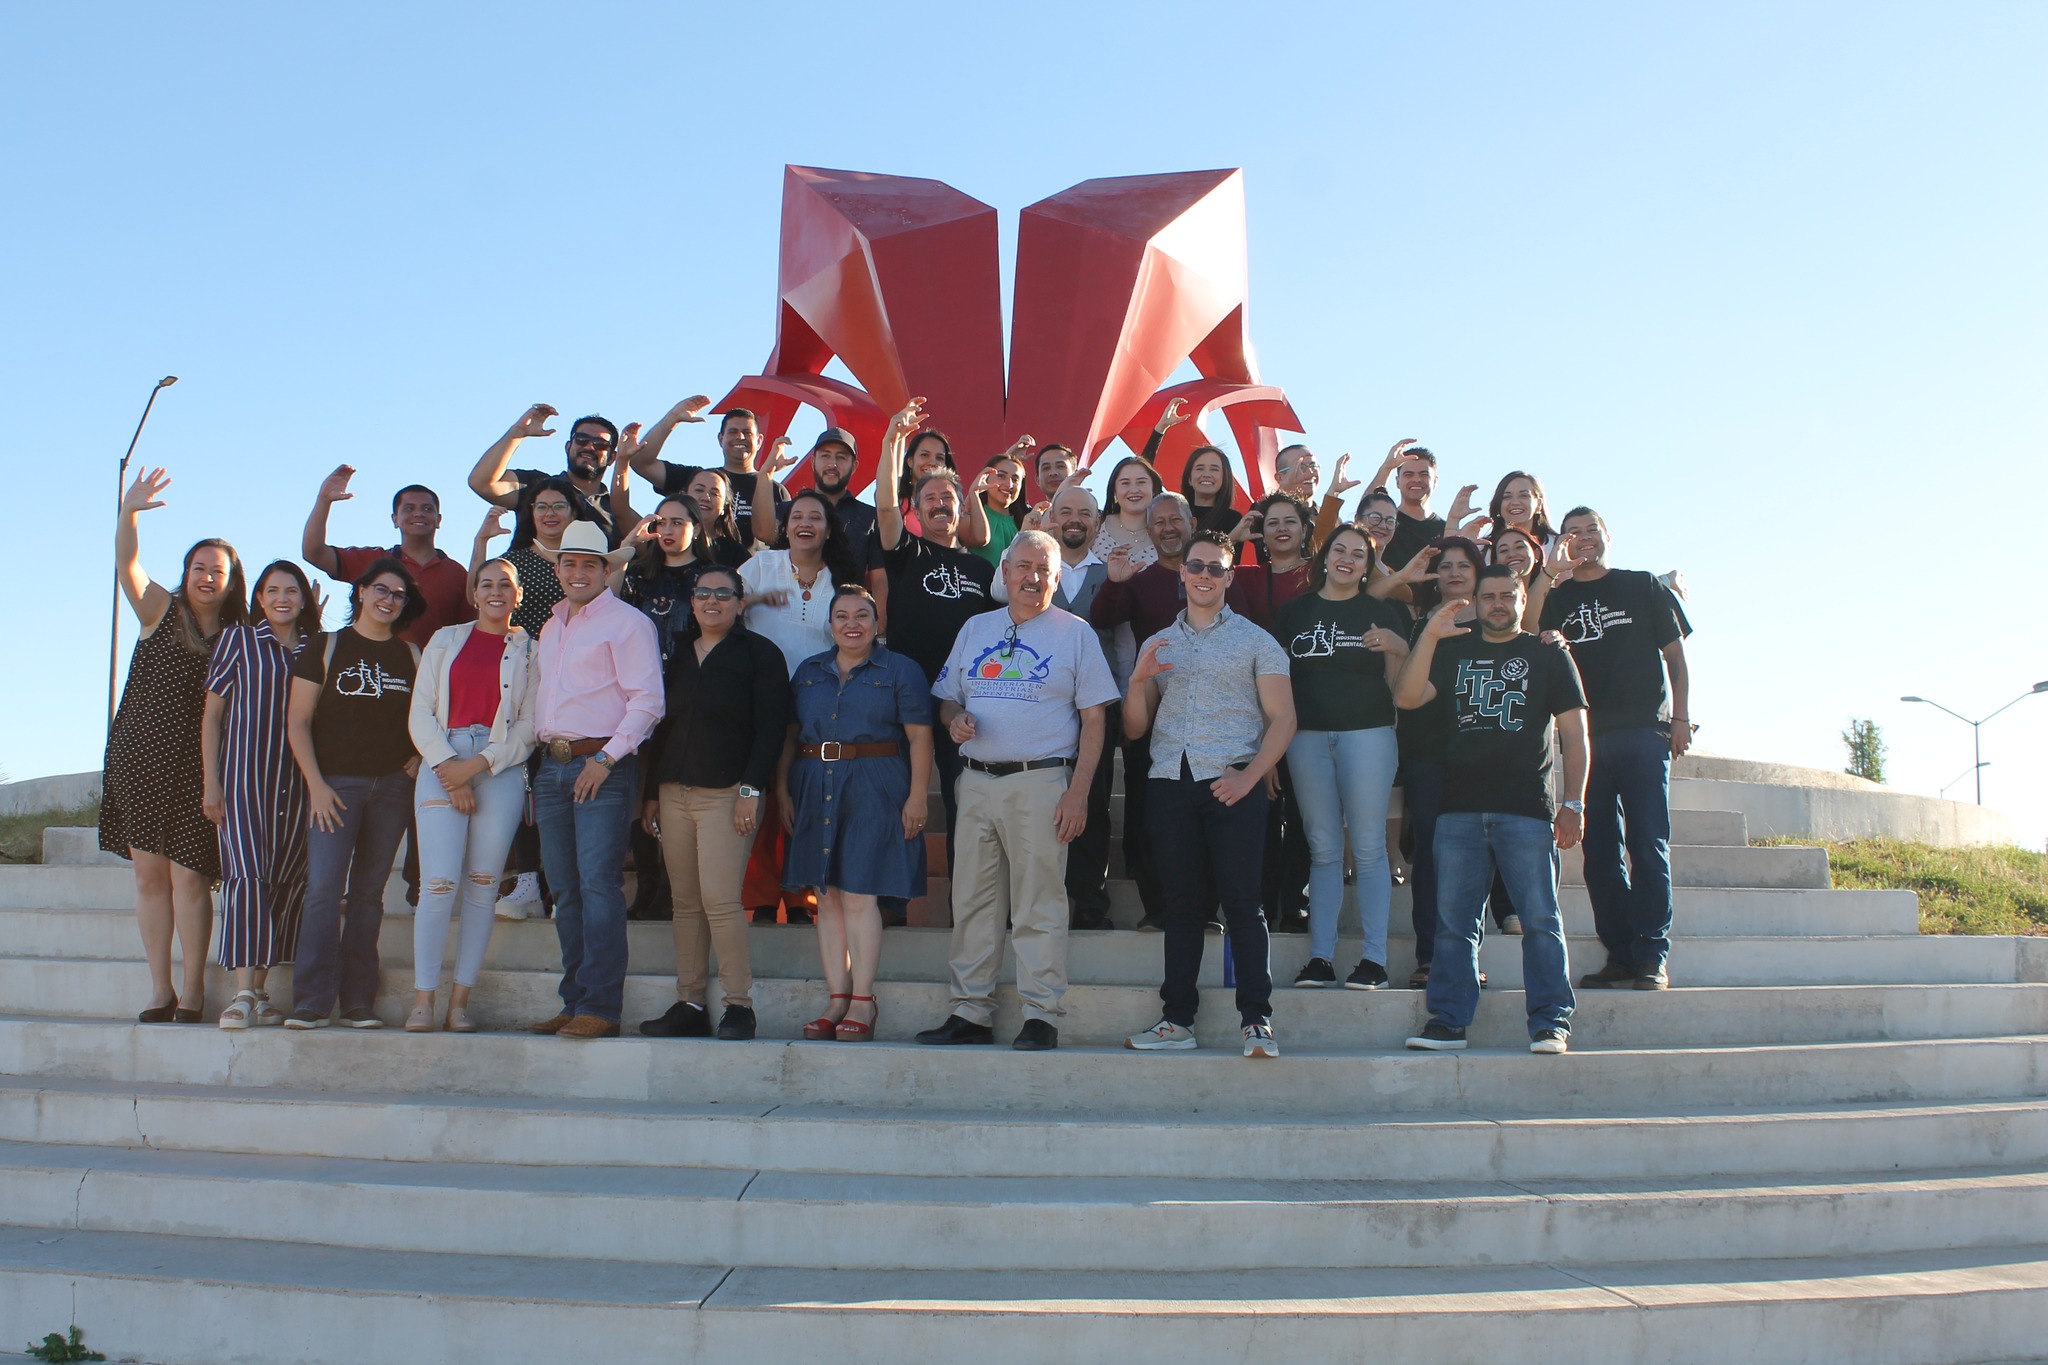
1514, 670
1592, 621
946, 581
1482, 696
1011, 670
1323, 641
366, 679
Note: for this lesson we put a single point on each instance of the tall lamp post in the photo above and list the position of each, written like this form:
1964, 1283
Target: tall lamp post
121, 487
1977, 728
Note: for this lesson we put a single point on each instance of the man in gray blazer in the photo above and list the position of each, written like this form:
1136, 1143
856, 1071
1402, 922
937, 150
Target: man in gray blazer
1073, 520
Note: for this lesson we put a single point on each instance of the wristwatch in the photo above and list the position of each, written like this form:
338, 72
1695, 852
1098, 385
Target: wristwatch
602, 760
1575, 807
749, 793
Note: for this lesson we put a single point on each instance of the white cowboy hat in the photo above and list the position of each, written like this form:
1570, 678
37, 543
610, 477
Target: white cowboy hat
587, 538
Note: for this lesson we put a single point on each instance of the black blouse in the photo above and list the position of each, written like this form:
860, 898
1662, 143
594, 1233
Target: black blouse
726, 715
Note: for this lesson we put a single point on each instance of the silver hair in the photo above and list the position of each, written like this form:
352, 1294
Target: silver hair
1177, 500
1038, 540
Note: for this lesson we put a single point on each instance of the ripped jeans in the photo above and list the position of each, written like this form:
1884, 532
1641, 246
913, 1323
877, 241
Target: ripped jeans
465, 852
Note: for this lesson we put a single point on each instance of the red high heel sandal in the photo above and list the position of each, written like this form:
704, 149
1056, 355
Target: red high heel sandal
822, 1029
853, 1030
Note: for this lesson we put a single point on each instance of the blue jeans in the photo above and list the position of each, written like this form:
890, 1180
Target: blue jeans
1628, 784
1345, 778
346, 869
1217, 854
1422, 796
1469, 848
583, 847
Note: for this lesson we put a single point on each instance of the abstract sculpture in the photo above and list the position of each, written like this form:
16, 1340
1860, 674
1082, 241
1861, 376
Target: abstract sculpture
1118, 282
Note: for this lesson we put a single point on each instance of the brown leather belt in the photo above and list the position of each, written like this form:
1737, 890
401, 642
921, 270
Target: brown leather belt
831, 751
564, 750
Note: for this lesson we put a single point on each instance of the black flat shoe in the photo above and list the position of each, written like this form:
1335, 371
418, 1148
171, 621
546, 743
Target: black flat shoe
736, 1025
957, 1030
183, 1016
683, 1020
158, 1014
1036, 1036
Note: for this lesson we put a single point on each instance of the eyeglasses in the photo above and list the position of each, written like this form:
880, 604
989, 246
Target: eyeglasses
713, 594
1009, 644
560, 508
600, 442
378, 590
1376, 519
1211, 567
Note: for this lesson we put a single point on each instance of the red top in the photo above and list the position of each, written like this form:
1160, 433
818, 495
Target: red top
443, 582
473, 681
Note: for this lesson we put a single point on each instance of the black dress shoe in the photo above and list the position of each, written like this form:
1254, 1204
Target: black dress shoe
736, 1025
683, 1020
1614, 976
1036, 1036
957, 1030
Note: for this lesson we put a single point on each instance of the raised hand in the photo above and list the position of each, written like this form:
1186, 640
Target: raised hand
908, 419
493, 526
1473, 527
1443, 622
644, 532
981, 482
1393, 460
1034, 520
1461, 508
1150, 665
691, 409
334, 488
533, 422
1416, 570
1559, 562
1339, 485
1020, 448
146, 493
622, 458
1172, 417
1117, 565
778, 459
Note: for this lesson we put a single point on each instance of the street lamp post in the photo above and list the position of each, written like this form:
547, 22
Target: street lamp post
1977, 729
120, 487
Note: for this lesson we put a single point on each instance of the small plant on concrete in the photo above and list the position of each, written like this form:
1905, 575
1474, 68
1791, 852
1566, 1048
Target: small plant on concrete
55, 1347
1866, 750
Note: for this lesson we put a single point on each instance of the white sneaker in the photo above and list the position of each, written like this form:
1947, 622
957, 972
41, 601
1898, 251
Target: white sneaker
1259, 1041
1164, 1036
524, 900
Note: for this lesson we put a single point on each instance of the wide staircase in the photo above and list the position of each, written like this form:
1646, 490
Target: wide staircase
1827, 1143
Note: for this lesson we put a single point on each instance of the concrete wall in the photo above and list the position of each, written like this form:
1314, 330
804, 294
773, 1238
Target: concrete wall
63, 792
1786, 802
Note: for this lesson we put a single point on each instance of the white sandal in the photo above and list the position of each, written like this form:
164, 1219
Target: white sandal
267, 1014
239, 1011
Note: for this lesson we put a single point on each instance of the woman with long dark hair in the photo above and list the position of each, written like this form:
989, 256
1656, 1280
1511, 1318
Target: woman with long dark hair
1518, 503
152, 810
852, 784
718, 531
1133, 483
1211, 490
789, 587
999, 487
254, 792
349, 719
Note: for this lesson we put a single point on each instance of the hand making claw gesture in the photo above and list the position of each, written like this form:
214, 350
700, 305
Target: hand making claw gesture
1443, 622
909, 419
1150, 665
1339, 485
533, 422
778, 460
1117, 566
691, 409
1560, 561
1416, 570
622, 458
1172, 417
1461, 507
1392, 462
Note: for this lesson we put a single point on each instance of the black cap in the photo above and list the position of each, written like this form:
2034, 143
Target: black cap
836, 436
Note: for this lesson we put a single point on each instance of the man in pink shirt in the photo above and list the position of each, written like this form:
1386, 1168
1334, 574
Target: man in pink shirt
599, 697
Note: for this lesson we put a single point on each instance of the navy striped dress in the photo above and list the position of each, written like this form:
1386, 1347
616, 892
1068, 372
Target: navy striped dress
263, 840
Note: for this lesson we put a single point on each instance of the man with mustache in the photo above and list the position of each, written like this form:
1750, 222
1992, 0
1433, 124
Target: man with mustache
1504, 687
592, 442
935, 586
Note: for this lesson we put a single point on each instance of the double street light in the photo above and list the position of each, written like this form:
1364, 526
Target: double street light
1977, 729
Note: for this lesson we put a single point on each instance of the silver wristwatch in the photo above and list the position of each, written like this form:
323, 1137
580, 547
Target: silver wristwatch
602, 760
747, 792
1575, 807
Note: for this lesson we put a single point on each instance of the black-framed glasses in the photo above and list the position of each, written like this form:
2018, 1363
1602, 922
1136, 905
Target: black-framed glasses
1213, 568
1009, 644
713, 594
1376, 519
388, 594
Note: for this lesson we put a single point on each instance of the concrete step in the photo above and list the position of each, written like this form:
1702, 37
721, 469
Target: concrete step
1104, 1015
690, 1216
394, 1126
188, 1301
1217, 1082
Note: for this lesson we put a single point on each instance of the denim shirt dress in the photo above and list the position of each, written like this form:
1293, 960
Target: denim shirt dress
849, 812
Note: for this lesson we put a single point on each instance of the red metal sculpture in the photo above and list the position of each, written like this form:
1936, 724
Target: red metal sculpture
1118, 282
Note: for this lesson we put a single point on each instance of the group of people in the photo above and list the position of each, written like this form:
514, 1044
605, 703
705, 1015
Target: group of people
746, 693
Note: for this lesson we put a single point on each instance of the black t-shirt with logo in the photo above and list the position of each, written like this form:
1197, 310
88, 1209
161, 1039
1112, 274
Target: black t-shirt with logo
1618, 625
359, 723
1339, 684
932, 593
1424, 731
1501, 700
1410, 535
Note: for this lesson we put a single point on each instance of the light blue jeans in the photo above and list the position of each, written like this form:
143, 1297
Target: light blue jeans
1345, 778
461, 851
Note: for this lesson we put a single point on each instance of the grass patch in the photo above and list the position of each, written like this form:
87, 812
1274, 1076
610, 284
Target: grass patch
21, 836
1990, 890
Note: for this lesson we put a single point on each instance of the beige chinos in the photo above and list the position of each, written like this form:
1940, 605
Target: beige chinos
1009, 870
707, 861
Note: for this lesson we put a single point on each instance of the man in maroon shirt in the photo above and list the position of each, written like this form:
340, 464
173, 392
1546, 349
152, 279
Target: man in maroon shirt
416, 512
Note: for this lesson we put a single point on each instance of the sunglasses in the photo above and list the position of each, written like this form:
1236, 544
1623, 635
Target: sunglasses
1213, 568
600, 442
713, 594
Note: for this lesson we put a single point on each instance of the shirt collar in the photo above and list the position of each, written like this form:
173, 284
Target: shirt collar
1222, 617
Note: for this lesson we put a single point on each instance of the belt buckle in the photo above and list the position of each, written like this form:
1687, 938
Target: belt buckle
560, 750
828, 751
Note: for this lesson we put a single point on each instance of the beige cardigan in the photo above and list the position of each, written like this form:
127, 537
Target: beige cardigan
512, 729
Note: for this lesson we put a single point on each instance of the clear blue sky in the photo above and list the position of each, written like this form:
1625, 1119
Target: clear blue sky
1768, 284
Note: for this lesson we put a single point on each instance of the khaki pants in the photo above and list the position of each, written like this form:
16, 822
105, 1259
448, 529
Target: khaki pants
707, 861
1009, 867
